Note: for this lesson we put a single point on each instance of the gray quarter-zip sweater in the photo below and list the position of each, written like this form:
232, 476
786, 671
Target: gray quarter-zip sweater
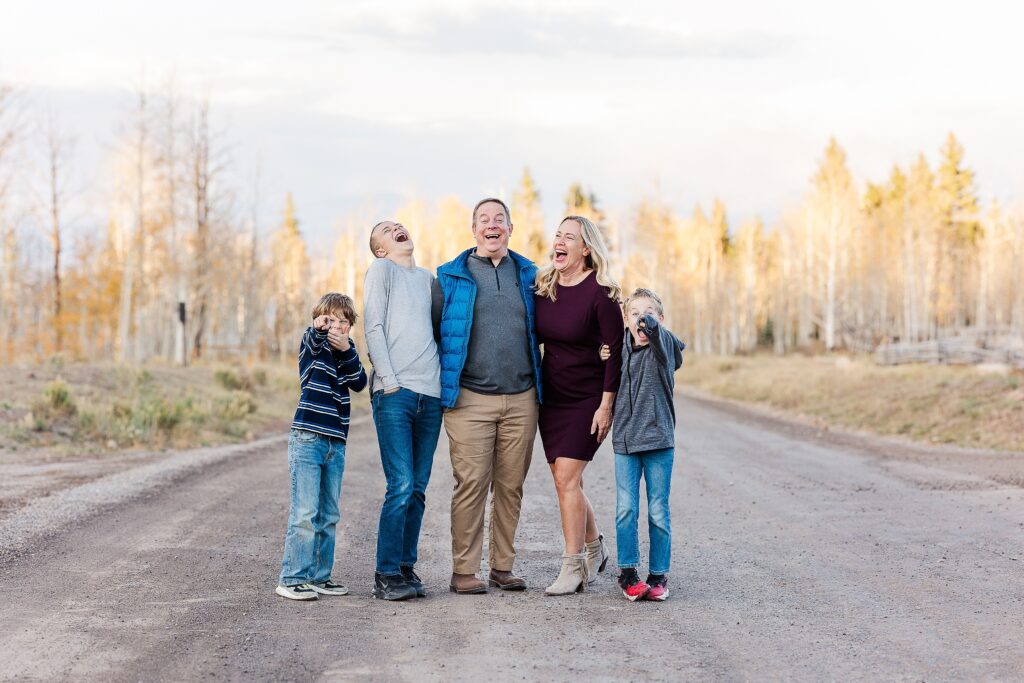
645, 416
498, 359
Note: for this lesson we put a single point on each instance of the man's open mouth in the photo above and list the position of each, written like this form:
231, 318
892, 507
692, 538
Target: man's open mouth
492, 236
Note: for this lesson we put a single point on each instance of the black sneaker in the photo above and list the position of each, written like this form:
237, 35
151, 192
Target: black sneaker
391, 587
328, 587
413, 580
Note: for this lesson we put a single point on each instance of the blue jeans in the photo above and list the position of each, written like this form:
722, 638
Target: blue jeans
315, 463
408, 425
656, 469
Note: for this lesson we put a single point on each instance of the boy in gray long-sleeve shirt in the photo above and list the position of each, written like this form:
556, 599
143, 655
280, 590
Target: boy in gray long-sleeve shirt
643, 436
405, 399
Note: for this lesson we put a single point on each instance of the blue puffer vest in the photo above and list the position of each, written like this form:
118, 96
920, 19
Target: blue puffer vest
459, 289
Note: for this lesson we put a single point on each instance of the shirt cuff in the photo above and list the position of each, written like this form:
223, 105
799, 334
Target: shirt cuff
347, 357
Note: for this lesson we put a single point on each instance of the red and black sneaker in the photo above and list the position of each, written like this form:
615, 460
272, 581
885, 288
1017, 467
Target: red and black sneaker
631, 585
658, 587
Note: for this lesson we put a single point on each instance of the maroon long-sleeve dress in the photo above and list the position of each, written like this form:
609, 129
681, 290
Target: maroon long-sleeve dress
572, 329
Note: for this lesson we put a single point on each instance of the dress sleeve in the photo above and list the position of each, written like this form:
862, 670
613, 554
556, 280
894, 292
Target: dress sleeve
611, 326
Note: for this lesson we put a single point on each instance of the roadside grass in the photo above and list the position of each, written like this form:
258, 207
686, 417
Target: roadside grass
963, 405
74, 407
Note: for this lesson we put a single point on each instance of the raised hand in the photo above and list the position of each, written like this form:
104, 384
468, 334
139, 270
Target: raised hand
337, 334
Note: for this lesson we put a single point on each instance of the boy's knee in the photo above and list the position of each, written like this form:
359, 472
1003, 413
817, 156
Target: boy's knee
625, 510
329, 518
659, 514
400, 491
304, 521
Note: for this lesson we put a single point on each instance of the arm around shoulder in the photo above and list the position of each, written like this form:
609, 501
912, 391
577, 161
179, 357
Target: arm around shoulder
611, 326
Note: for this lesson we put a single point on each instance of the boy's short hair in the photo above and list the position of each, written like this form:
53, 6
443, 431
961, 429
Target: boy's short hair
333, 303
643, 293
374, 245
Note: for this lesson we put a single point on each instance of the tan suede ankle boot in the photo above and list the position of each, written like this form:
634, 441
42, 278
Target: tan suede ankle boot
597, 558
572, 578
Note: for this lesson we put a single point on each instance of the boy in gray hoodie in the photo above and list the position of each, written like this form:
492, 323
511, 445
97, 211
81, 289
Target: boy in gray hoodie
643, 436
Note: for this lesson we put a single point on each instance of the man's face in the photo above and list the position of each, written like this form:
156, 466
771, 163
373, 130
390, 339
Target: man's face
392, 238
637, 309
491, 228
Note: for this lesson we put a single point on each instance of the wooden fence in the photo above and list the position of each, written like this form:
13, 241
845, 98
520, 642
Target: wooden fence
965, 348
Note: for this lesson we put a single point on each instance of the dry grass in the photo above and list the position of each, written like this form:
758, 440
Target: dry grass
73, 407
966, 406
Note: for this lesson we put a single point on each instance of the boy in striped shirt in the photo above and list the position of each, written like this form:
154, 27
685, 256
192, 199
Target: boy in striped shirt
328, 367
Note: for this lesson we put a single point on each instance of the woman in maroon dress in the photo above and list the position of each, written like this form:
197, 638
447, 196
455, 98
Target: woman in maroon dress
577, 311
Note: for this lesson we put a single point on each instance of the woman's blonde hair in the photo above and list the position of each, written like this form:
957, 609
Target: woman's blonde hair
598, 260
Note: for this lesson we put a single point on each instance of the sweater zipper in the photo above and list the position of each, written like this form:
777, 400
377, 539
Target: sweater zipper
633, 396
629, 393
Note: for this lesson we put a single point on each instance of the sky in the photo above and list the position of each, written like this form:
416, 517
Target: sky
355, 106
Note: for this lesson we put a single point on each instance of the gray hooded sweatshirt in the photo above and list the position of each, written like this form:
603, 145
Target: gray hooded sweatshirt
645, 417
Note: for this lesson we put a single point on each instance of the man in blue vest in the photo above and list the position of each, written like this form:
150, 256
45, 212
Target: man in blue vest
490, 384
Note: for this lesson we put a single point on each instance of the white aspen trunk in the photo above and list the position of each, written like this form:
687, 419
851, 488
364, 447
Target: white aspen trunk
781, 320
8, 294
909, 282
985, 259
883, 328
125, 321
1015, 281
55, 233
714, 314
831, 267
807, 285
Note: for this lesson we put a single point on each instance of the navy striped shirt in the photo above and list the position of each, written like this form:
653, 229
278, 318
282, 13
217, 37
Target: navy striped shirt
325, 376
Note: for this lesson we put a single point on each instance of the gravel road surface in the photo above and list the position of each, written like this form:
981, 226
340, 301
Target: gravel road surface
798, 556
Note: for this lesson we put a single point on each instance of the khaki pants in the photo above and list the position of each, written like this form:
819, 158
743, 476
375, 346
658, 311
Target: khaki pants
491, 446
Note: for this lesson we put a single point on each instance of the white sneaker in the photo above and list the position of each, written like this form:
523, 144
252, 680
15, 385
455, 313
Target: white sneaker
303, 591
328, 587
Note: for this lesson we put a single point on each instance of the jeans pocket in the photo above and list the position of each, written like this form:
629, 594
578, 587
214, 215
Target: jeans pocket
304, 436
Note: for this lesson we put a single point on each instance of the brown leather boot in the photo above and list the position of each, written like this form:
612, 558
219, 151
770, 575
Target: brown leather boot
466, 584
506, 581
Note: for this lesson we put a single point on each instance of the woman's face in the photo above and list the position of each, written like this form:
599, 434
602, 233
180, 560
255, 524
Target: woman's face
569, 252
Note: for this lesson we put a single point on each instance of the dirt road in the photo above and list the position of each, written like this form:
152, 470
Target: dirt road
796, 557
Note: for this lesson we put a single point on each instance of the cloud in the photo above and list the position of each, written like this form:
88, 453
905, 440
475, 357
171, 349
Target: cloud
510, 31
